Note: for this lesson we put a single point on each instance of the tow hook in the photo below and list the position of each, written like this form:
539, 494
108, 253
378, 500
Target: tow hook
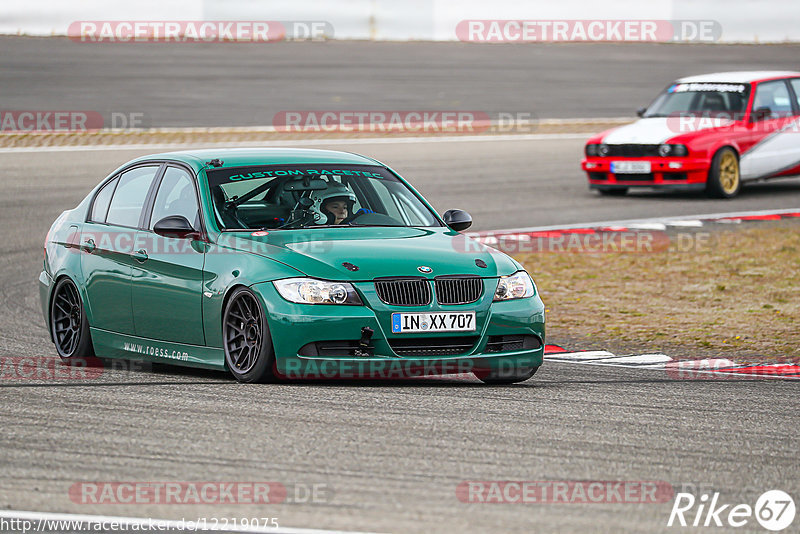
363, 344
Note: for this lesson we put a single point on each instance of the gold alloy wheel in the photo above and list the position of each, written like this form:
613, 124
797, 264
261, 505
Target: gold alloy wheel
729, 173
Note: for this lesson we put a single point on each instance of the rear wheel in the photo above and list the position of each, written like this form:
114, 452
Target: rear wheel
68, 323
506, 376
616, 192
248, 345
723, 176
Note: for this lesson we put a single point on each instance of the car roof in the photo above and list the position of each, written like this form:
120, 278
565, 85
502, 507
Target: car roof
238, 157
739, 76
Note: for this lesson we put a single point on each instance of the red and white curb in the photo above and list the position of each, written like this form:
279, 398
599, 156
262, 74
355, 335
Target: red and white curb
492, 237
678, 369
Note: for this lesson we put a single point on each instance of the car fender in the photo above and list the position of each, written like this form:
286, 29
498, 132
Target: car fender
62, 257
226, 269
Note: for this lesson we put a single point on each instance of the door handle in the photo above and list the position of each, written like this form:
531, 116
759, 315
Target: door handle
89, 246
140, 255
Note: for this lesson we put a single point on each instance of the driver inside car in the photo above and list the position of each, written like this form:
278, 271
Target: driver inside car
333, 205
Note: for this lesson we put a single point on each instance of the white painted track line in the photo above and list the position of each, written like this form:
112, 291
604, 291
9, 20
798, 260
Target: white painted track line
580, 356
143, 523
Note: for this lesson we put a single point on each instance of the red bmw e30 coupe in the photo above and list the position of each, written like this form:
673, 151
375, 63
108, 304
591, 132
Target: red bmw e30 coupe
709, 133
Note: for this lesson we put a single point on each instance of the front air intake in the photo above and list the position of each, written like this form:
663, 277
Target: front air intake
404, 291
458, 289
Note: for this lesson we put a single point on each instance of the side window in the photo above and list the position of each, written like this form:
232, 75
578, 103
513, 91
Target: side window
401, 204
775, 96
796, 86
102, 201
389, 205
126, 206
176, 196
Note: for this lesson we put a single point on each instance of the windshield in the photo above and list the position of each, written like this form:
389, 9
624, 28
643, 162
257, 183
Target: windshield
313, 196
726, 99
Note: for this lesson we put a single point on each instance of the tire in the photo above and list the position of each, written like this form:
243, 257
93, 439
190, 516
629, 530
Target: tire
724, 180
502, 378
69, 326
249, 355
616, 192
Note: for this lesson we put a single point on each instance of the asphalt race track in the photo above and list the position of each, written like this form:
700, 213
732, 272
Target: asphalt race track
181, 84
388, 456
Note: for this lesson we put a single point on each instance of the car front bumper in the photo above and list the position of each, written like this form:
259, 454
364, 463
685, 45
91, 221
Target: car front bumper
296, 329
689, 174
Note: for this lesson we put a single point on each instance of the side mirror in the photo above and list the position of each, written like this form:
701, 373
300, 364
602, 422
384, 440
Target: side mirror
175, 226
457, 219
640, 112
759, 114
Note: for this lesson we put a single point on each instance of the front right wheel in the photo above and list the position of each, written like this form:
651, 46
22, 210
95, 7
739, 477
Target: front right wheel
723, 176
245, 336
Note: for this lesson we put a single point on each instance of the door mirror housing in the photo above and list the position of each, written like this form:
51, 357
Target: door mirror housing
458, 220
176, 226
640, 112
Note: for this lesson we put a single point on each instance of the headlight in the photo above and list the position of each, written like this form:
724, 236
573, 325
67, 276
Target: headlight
678, 151
591, 149
603, 150
517, 286
311, 291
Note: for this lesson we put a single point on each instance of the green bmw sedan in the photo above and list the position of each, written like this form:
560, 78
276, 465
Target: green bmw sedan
283, 264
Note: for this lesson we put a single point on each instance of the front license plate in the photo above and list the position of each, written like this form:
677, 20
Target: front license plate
433, 322
630, 167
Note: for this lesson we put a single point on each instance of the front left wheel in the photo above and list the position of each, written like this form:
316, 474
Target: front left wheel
69, 325
724, 180
248, 346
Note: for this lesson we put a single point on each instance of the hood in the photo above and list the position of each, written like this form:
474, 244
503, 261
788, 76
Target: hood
657, 130
377, 252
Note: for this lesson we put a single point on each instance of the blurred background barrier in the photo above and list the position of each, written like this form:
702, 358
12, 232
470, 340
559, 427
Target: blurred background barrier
388, 20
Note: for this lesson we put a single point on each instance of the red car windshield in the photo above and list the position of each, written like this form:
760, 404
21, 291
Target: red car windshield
701, 99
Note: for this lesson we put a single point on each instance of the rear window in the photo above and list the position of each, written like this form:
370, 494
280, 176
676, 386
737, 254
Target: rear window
102, 201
